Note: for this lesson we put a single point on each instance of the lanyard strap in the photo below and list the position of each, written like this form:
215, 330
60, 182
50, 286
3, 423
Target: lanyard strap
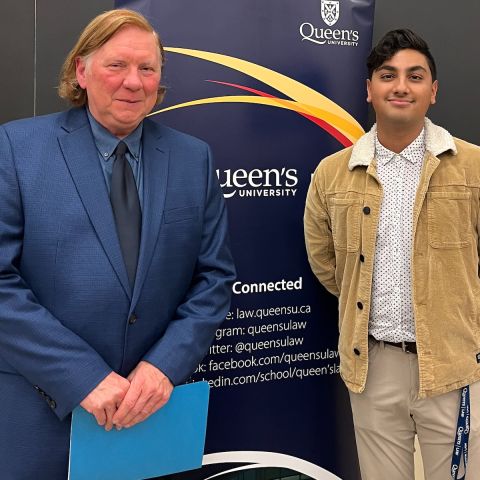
460, 447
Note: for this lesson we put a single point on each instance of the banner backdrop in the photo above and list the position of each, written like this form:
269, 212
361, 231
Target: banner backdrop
273, 86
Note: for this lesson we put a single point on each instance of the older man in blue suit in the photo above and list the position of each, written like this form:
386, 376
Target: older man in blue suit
113, 279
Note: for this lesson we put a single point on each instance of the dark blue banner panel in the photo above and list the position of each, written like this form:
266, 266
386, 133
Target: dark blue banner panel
273, 86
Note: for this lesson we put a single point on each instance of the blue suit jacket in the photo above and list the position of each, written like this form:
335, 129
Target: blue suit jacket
65, 301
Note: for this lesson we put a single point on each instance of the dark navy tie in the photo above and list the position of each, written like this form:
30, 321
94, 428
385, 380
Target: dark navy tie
126, 210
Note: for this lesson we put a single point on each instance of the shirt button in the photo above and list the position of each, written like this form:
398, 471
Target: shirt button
356, 351
362, 258
360, 305
132, 319
366, 210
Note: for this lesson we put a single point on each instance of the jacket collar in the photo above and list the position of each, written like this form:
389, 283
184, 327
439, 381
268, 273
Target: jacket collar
437, 141
81, 157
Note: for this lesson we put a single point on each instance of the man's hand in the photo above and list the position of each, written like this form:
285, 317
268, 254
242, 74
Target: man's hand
103, 400
149, 390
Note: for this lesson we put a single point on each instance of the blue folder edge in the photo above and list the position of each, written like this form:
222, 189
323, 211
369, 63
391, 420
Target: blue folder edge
169, 441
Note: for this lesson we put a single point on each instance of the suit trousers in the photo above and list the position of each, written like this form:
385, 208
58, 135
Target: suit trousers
388, 414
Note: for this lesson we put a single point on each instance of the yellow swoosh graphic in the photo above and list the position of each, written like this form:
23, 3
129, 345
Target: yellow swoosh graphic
273, 102
305, 100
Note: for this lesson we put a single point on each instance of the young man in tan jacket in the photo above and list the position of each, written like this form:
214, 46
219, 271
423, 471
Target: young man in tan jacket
392, 229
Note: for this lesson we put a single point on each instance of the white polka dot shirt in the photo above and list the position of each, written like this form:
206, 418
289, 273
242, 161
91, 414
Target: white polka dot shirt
391, 312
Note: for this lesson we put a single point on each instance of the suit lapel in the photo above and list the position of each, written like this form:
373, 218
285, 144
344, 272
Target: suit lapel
155, 159
81, 157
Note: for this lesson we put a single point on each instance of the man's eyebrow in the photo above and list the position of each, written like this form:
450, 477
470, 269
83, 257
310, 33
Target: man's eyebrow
390, 68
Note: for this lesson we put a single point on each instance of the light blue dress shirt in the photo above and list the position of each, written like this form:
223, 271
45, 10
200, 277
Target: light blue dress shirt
106, 144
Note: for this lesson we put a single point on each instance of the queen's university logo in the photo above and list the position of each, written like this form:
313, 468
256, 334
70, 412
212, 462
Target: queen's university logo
297, 97
330, 11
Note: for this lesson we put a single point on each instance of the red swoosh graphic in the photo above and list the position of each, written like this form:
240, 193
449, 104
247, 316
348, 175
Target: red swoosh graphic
318, 121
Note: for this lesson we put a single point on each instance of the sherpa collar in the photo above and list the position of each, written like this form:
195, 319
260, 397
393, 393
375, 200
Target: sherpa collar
437, 141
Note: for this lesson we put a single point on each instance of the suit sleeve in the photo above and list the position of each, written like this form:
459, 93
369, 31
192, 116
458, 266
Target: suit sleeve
191, 332
318, 236
61, 366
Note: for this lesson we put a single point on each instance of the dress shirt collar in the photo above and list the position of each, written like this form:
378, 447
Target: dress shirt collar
106, 142
413, 152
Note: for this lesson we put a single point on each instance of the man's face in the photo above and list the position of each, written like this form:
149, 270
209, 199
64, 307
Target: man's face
401, 90
121, 79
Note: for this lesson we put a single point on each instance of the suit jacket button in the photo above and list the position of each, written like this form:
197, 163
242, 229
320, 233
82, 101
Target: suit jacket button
132, 319
52, 403
360, 305
362, 258
356, 351
366, 210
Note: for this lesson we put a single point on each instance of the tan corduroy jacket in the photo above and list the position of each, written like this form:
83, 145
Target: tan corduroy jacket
341, 219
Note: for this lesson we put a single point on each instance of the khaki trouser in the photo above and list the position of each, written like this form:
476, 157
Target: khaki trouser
388, 413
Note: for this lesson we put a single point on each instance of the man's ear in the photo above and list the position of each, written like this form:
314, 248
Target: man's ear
369, 97
80, 70
433, 98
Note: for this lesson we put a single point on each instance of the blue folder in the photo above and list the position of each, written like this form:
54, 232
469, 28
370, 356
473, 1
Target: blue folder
169, 441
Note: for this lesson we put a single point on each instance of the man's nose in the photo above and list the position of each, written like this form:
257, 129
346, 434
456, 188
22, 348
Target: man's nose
401, 85
132, 79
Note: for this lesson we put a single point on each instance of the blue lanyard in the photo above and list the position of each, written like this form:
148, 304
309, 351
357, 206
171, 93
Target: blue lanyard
460, 448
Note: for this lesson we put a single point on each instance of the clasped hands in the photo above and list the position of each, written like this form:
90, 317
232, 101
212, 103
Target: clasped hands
124, 402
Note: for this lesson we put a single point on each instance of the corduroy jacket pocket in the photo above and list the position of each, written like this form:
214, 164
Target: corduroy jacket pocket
449, 221
346, 217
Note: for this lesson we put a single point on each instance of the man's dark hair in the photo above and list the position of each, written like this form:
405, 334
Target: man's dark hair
394, 41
